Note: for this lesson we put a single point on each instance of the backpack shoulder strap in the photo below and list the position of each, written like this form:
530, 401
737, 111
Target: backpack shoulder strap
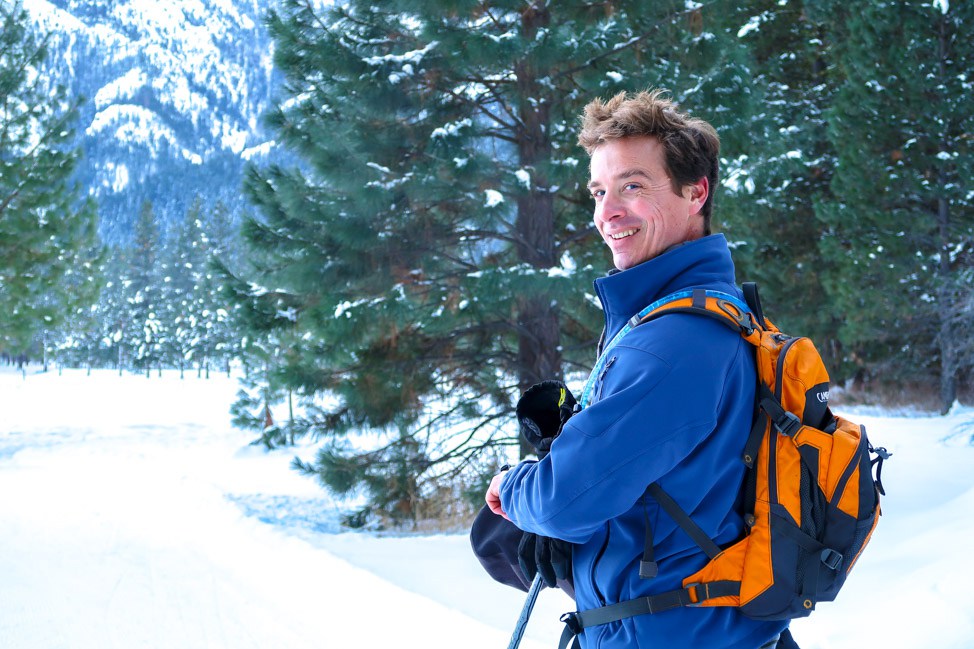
723, 307
753, 300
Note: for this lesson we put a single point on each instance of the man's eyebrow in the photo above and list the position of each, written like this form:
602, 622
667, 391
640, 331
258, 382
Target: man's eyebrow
628, 173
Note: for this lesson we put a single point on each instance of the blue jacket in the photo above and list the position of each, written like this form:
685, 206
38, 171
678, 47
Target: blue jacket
674, 404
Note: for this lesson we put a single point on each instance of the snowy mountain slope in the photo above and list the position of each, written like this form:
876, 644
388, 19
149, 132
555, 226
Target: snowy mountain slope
174, 93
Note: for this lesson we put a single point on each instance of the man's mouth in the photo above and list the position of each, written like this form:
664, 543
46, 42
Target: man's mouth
624, 234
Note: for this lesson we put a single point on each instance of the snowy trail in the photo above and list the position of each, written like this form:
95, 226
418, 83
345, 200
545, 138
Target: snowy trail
121, 537
133, 516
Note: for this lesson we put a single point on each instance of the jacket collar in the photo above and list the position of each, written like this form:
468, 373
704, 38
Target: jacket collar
704, 262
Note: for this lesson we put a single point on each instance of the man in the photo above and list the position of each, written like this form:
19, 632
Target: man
671, 401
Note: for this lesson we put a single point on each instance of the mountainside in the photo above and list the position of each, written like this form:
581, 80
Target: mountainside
174, 94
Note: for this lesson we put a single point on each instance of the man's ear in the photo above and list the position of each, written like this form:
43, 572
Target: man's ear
697, 193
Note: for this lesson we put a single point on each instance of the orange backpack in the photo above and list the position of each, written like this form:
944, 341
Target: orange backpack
811, 501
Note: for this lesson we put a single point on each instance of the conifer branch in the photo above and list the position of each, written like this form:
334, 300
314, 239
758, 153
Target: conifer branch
591, 62
478, 105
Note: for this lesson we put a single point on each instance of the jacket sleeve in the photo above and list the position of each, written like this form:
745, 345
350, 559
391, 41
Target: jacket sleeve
657, 401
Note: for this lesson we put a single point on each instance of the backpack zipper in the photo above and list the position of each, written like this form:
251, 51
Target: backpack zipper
778, 387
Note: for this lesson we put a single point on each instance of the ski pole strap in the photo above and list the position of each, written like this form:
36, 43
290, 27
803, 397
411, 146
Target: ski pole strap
692, 595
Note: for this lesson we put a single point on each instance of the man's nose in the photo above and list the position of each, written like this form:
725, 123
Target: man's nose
610, 207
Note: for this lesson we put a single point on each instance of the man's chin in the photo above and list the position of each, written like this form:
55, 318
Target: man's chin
625, 262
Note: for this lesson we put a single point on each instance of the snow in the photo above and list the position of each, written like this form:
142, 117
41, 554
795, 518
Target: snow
258, 150
122, 89
134, 515
412, 57
492, 198
174, 51
751, 25
49, 16
137, 124
450, 129
116, 176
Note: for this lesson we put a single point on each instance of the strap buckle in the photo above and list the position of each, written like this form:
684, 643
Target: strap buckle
691, 591
788, 423
831, 558
572, 622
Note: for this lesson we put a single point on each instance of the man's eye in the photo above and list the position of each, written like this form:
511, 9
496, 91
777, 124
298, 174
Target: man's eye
598, 193
629, 187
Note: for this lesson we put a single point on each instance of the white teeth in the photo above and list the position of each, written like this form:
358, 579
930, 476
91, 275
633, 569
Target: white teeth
623, 235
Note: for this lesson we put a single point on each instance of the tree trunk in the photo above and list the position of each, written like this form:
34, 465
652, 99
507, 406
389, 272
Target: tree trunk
948, 350
539, 353
290, 416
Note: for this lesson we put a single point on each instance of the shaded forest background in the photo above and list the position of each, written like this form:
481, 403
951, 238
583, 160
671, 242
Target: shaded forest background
427, 253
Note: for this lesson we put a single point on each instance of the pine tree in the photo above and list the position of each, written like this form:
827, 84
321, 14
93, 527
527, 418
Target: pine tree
182, 299
47, 229
774, 181
77, 340
116, 314
145, 336
222, 338
902, 207
430, 256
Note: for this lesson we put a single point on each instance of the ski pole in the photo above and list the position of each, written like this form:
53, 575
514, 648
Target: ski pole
522, 621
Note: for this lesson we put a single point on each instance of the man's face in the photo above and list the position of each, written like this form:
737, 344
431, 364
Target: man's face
636, 211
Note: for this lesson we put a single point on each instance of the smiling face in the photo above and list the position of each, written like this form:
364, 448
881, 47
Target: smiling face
636, 210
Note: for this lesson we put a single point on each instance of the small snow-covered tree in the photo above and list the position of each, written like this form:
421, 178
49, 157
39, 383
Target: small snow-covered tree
221, 340
182, 298
145, 335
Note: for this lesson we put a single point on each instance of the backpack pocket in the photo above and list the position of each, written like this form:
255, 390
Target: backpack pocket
840, 508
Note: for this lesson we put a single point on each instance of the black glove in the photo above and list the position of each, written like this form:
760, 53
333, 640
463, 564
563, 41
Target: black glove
542, 411
552, 558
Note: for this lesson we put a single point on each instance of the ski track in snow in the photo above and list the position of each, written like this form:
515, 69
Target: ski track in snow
133, 515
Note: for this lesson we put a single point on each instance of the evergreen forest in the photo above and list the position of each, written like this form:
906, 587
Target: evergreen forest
428, 253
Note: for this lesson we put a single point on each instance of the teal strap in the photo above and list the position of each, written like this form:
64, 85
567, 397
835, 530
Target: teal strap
635, 320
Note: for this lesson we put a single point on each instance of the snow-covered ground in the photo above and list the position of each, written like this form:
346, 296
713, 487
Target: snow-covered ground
132, 515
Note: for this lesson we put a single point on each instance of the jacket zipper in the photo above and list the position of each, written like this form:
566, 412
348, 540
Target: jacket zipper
608, 529
598, 396
595, 564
